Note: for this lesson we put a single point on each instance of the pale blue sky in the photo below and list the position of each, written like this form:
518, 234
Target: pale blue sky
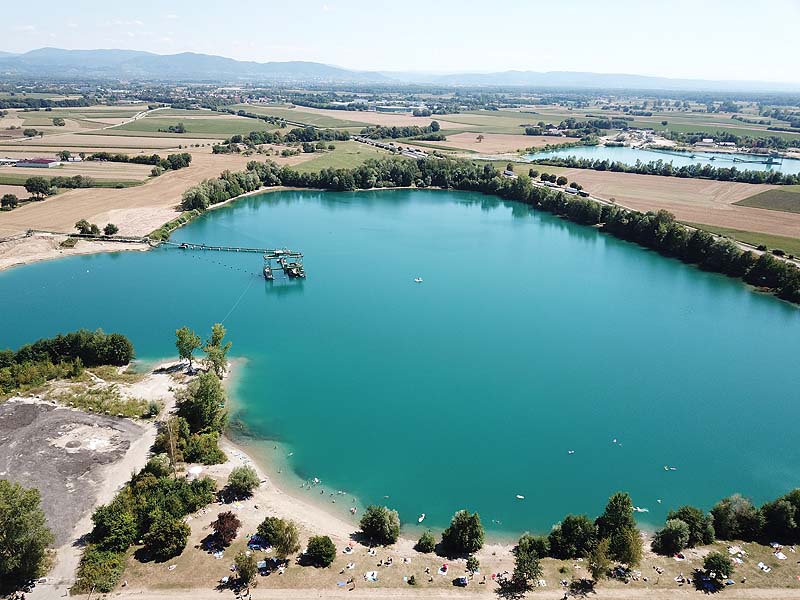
710, 39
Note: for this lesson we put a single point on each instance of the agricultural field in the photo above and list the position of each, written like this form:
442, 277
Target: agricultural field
790, 245
346, 156
784, 199
334, 119
220, 126
690, 200
491, 143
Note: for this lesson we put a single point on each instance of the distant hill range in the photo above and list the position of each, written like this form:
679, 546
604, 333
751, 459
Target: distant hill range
188, 66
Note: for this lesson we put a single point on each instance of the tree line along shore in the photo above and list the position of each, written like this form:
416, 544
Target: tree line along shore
148, 518
655, 230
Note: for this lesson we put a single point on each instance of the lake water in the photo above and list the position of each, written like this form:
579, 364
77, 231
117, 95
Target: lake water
530, 337
629, 156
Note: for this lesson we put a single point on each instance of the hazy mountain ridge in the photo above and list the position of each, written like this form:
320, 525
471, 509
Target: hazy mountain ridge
190, 66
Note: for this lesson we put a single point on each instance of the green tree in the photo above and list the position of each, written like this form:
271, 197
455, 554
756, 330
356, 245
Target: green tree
186, 341
83, 226
718, 564
527, 568
464, 535
673, 538
24, 536
9, 201
735, 518
626, 546
574, 537
64, 155
246, 568
473, 564
537, 544
435, 126
321, 551
426, 543
243, 480
701, 525
282, 535
599, 560
110, 229
166, 538
37, 186
779, 521
617, 516
202, 404
59, 122
114, 527
225, 527
380, 524
217, 351
561, 180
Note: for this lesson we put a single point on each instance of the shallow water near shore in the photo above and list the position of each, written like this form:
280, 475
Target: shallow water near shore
530, 337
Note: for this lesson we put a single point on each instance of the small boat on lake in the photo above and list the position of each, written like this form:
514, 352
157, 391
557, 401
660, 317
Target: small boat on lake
418, 280
268, 275
520, 497
421, 518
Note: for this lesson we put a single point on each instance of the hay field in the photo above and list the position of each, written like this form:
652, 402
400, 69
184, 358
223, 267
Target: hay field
692, 200
493, 142
136, 210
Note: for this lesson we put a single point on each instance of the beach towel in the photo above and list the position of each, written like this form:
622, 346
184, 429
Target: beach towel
780, 556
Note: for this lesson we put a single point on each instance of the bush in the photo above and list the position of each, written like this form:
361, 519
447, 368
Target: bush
110, 229
321, 551
204, 448
735, 518
99, 570
243, 480
426, 543
673, 538
464, 535
167, 538
225, 527
537, 544
380, 524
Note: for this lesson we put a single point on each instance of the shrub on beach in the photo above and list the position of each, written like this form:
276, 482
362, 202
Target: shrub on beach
465, 534
380, 524
321, 551
243, 480
426, 543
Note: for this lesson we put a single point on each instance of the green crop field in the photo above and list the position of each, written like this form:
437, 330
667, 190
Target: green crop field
787, 244
195, 128
297, 115
346, 156
784, 199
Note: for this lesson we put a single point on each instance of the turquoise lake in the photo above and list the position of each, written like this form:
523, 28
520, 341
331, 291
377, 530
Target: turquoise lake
629, 156
529, 337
